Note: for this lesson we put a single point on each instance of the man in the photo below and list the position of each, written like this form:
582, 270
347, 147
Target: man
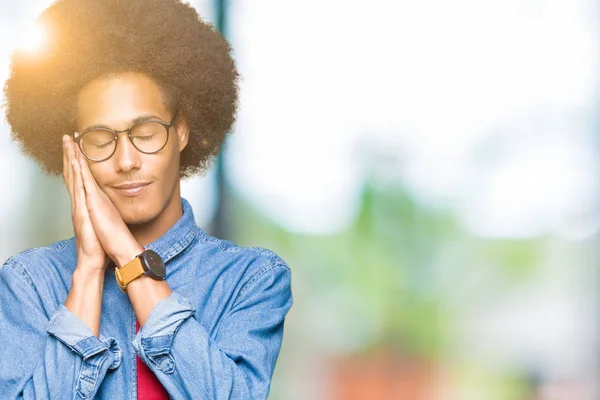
126, 98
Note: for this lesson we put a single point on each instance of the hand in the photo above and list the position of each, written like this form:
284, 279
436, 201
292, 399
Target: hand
90, 254
112, 232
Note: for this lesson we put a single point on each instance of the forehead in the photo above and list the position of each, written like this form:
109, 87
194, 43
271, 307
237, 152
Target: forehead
117, 99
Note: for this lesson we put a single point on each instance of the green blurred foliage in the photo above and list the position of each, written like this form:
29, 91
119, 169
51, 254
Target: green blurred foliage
402, 267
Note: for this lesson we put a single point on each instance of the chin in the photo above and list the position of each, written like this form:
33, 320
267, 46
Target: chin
135, 220
133, 214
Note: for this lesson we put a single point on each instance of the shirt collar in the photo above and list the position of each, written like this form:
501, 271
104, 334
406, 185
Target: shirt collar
178, 237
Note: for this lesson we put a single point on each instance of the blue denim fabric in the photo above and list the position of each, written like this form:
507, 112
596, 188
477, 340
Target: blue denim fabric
216, 336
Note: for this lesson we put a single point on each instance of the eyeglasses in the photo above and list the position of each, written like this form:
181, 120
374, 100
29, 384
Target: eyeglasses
99, 144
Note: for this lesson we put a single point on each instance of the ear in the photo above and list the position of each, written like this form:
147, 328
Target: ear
182, 129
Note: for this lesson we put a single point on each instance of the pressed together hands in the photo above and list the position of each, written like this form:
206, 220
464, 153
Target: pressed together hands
100, 232
100, 235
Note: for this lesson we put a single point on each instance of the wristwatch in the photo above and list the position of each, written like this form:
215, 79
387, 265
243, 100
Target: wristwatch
146, 263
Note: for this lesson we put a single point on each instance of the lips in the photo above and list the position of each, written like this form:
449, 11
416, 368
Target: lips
132, 188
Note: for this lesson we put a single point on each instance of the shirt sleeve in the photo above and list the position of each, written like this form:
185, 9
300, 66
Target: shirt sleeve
47, 358
238, 362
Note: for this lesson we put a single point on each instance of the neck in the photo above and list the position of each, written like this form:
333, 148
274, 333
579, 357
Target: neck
148, 232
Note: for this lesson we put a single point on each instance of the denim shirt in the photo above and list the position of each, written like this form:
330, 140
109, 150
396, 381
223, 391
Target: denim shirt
217, 335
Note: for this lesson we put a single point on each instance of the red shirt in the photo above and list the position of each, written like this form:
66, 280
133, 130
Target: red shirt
149, 387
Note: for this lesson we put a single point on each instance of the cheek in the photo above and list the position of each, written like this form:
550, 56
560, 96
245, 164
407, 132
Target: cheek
102, 175
170, 173
163, 170
98, 172
172, 164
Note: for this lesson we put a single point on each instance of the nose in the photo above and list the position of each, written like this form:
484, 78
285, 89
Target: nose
126, 156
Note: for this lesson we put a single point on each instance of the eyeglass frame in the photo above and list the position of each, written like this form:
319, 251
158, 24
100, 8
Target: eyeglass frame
167, 125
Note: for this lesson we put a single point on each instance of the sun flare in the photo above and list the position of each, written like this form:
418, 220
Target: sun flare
33, 39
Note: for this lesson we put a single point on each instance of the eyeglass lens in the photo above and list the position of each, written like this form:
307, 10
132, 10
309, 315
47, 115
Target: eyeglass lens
147, 137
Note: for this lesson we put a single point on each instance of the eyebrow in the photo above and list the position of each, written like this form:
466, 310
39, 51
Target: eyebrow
140, 119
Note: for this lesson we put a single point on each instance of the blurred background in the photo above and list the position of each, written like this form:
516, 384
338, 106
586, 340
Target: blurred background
428, 169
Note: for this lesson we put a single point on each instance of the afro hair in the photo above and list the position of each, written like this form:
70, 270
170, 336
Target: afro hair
87, 39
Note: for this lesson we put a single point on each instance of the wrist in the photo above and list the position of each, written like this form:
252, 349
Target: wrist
145, 293
85, 273
87, 281
127, 254
85, 297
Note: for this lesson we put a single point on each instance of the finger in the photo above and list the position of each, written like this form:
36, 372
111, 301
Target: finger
89, 183
73, 149
71, 182
67, 165
78, 191
64, 153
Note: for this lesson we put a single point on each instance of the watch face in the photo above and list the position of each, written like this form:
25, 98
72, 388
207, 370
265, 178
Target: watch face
155, 266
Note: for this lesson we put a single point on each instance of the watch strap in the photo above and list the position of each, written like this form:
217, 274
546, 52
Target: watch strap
129, 272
